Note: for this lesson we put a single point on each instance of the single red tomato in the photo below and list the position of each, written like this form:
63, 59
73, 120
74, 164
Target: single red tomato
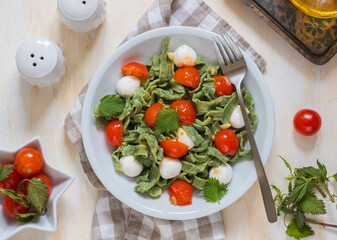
40, 176
114, 133
185, 110
173, 148
12, 208
223, 86
28, 162
187, 76
136, 69
226, 141
181, 193
307, 122
13, 180
151, 114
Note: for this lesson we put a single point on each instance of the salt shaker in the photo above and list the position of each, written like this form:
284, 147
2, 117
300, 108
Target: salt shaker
41, 61
82, 15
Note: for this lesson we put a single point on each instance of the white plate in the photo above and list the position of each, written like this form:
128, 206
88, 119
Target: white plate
141, 49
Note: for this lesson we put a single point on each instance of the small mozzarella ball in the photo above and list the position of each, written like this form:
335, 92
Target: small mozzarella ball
185, 56
237, 119
170, 167
130, 166
184, 138
127, 85
223, 173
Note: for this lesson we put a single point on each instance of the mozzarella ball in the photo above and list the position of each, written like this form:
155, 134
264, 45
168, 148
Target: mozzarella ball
223, 173
170, 167
237, 119
185, 56
184, 138
127, 85
130, 166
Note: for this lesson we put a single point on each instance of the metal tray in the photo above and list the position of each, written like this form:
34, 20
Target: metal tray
314, 38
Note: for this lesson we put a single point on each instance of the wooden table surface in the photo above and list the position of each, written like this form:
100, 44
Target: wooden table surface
27, 111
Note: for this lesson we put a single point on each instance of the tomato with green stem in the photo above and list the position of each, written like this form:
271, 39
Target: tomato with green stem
13, 180
40, 176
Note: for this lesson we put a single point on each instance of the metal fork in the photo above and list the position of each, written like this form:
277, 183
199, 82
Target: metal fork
233, 65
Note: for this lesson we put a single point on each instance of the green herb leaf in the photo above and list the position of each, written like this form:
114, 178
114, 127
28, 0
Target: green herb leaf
25, 217
167, 121
308, 172
300, 219
323, 171
15, 196
5, 171
214, 190
335, 176
310, 204
287, 165
301, 188
111, 105
293, 231
37, 193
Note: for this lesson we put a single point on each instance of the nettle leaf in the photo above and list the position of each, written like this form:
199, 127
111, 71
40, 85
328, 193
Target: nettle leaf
26, 217
308, 172
323, 171
214, 190
335, 176
310, 204
15, 196
111, 105
300, 219
167, 121
287, 165
293, 231
301, 188
37, 193
5, 171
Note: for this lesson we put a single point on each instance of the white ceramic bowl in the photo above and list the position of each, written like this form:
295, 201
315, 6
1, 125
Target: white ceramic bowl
60, 182
141, 49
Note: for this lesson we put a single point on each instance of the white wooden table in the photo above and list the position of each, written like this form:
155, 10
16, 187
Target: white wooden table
26, 111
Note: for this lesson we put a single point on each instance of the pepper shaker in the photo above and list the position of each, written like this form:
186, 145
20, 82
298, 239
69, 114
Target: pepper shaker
40, 61
82, 15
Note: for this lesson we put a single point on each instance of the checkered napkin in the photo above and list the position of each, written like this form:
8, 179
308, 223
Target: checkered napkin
113, 219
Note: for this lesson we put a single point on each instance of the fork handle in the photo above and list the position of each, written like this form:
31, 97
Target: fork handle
263, 181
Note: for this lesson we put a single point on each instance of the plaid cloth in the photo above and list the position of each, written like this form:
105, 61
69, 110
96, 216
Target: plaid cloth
113, 219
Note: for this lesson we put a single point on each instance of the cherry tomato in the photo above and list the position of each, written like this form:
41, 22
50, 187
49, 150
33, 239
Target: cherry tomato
181, 193
185, 110
12, 208
43, 177
223, 86
114, 133
226, 141
151, 114
187, 76
173, 148
13, 180
136, 69
307, 122
28, 162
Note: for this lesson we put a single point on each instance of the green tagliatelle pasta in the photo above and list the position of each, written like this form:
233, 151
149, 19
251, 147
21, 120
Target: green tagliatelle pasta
140, 141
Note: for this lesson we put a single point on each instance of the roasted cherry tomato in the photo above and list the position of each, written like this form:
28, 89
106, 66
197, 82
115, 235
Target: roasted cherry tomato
223, 86
43, 177
114, 133
173, 148
136, 69
13, 180
185, 110
187, 76
181, 193
12, 208
226, 141
307, 122
151, 114
28, 162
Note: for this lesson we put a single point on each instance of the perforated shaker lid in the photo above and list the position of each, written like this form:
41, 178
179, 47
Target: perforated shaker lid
77, 10
36, 57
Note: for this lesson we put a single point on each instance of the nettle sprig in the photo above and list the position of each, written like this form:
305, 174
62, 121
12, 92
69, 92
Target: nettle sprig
301, 199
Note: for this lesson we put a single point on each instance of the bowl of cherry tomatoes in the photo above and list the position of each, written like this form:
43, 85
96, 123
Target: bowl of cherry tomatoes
29, 189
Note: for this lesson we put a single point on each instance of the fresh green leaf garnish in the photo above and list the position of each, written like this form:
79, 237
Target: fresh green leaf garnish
214, 190
293, 231
26, 217
5, 171
302, 200
110, 106
37, 193
167, 121
335, 176
15, 196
